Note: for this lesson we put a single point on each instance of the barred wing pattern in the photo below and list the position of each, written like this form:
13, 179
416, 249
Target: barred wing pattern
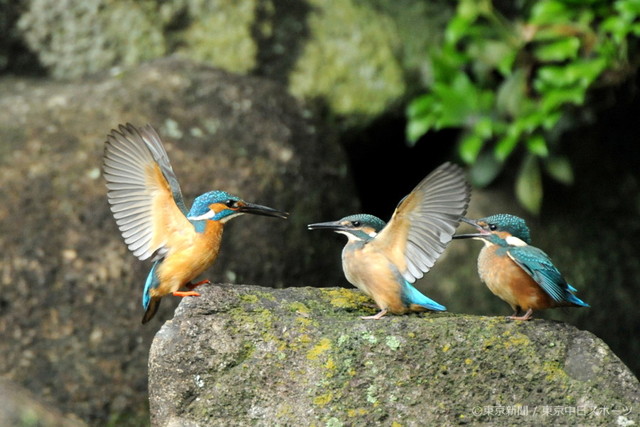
143, 192
425, 220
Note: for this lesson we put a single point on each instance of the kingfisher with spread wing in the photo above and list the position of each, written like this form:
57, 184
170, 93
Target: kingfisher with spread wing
147, 204
384, 260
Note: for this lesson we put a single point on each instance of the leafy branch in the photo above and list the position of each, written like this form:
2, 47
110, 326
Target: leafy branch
509, 83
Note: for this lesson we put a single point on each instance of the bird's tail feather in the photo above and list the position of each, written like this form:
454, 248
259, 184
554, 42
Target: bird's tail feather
152, 308
572, 299
413, 296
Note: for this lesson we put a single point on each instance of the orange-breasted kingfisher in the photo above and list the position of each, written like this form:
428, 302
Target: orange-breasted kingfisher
383, 260
147, 204
520, 274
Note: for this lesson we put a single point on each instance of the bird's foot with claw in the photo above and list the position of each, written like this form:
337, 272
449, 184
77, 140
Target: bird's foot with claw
376, 317
186, 294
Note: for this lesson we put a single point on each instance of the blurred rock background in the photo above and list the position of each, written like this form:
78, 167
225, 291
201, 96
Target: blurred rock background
296, 105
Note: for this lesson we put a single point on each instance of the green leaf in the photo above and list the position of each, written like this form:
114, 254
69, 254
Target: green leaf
529, 185
628, 7
528, 123
579, 73
506, 144
470, 146
505, 65
484, 128
456, 29
447, 62
558, 97
537, 145
490, 53
511, 94
416, 128
460, 101
619, 27
469, 9
420, 106
560, 50
560, 169
551, 119
485, 169
549, 12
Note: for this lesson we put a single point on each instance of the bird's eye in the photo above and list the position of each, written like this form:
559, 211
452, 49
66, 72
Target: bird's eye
355, 223
493, 227
231, 203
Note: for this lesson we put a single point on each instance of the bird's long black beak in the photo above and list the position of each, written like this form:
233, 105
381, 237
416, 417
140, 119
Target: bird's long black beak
331, 225
469, 236
482, 234
254, 209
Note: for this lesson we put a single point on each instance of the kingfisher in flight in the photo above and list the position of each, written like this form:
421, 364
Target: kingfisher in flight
520, 274
147, 204
384, 259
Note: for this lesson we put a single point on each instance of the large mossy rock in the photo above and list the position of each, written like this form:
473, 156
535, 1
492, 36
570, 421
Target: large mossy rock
70, 290
244, 355
359, 58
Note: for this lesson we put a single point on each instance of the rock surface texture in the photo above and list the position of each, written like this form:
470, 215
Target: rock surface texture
244, 355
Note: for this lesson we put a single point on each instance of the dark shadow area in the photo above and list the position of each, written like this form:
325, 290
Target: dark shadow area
385, 168
599, 218
15, 57
280, 30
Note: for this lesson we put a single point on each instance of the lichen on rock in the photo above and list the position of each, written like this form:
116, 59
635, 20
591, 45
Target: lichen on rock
246, 355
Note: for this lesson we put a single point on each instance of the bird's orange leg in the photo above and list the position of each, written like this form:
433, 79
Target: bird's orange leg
186, 294
526, 316
192, 286
377, 316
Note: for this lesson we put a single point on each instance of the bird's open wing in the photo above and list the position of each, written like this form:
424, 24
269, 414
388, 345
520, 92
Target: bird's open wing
538, 265
424, 221
144, 193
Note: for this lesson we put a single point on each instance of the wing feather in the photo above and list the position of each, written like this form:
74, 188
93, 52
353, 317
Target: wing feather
424, 221
143, 192
539, 266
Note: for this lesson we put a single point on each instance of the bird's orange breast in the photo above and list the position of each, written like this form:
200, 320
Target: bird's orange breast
188, 257
509, 282
370, 271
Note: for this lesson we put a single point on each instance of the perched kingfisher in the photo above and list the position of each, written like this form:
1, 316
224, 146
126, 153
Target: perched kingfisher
148, 207
518, 273
383, 260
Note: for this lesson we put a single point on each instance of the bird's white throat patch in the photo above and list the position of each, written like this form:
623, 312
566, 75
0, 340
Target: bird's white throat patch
514, 241
228, 217
207, 215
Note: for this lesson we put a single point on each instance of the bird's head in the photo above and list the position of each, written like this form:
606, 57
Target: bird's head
508, 228
360, 227
222, 206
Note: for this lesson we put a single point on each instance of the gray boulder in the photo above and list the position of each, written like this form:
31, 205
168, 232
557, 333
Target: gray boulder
70, 306
244, 355
359, 58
